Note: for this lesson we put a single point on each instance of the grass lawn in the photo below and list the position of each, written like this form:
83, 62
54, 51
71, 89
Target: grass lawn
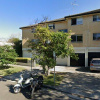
49, 80
9, 70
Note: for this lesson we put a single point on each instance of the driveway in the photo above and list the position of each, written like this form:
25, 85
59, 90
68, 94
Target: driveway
6, 93
6, 90
78, 82
82, 83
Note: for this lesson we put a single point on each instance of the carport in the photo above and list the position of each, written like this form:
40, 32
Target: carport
79, 62
92, 55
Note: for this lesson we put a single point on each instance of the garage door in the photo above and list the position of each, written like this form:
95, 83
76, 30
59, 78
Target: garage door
61, 61
79, 62
93, 55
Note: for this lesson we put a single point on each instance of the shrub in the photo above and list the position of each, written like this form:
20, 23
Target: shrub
23, 60
7, 55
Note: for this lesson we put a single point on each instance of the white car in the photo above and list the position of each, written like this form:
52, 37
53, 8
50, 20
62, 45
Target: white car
95, 64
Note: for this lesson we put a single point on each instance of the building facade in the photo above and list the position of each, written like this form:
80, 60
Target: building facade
85, 36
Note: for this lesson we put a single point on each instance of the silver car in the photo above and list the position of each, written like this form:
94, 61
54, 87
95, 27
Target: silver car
95, 64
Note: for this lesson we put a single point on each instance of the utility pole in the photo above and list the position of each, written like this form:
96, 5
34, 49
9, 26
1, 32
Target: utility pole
54, 55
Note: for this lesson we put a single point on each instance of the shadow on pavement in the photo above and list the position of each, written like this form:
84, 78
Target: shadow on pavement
42, 94
10, 88
87, 85
86, 69
24, 91
83, 69
16, 76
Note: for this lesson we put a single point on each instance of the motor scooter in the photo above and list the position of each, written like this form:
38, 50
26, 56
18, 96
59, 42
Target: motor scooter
36, 84
22, 83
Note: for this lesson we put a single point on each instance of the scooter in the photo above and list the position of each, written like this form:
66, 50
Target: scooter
22, 83
37, 83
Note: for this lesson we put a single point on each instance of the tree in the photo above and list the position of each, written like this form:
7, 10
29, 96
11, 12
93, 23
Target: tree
45, 42
7, 55
17, 45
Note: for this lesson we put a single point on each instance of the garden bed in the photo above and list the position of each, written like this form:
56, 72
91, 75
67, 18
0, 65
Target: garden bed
49, 80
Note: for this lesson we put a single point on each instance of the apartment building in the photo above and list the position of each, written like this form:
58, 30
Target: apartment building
85, 36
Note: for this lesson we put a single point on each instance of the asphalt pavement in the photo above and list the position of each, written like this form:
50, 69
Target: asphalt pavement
78, 84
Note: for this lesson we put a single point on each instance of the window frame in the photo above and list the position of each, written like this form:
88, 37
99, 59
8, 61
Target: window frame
96, 39
51, 25
76, 38
61, 30
97, 18
35, 40
77, 21
33, 30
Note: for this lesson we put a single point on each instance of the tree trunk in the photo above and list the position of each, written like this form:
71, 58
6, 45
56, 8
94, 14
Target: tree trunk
46, 70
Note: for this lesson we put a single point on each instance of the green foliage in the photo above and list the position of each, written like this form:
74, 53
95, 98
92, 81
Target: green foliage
7, 55
46, 41
17, 45
13, 40
49, 80
23, 60
10, 70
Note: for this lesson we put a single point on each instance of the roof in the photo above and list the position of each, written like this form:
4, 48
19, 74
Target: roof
56, 20
84, 13
28, 26
63, 19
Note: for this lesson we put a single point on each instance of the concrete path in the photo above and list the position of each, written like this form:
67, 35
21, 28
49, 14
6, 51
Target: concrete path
65, 69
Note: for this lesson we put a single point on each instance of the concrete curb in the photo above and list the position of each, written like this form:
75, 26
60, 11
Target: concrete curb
72, 95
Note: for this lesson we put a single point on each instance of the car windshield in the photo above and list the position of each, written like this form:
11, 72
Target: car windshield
96, 61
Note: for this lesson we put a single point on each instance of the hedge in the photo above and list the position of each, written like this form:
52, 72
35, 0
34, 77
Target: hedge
23, 60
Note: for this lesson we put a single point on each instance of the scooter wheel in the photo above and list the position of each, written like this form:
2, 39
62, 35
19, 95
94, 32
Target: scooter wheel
17, 89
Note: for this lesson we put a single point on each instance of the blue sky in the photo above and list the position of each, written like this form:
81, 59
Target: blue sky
18, 13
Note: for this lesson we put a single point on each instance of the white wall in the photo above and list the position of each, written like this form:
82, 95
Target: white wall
61, 61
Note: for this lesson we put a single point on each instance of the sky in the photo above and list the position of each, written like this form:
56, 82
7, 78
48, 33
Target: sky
18, 13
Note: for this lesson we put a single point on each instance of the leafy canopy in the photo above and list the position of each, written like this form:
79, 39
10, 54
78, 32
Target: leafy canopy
46, 41
7, 55
17, 45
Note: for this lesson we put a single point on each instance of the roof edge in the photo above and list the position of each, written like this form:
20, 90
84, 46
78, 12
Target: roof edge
84, 13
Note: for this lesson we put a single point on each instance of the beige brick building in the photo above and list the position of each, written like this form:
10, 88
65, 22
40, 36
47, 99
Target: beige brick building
85, 38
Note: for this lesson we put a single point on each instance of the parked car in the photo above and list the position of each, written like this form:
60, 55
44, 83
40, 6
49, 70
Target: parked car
95, 64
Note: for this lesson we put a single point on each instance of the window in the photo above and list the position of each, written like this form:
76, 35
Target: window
96, 36
51, 26
35, 40
76, 21
76, 38
79, 21
63, 30
33, 30
96, 18
73, 21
